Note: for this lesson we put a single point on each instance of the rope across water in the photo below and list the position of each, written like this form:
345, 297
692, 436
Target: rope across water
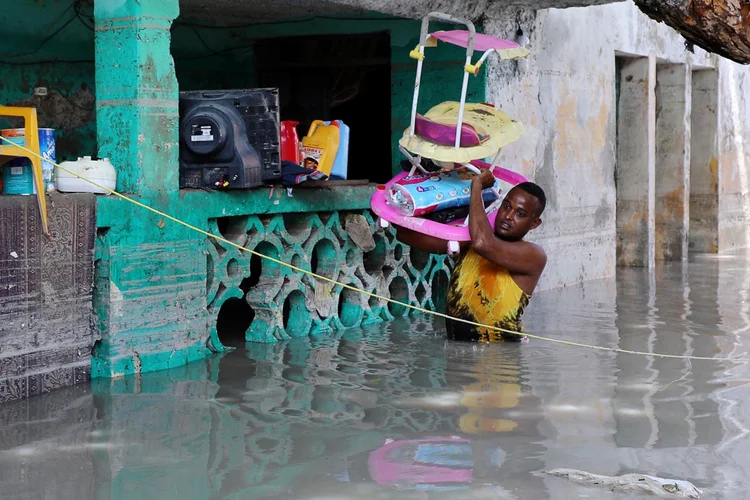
364, 292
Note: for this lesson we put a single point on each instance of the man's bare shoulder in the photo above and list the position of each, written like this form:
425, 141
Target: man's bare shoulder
535, 252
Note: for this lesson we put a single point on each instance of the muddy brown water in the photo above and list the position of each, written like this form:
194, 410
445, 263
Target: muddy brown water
396, 411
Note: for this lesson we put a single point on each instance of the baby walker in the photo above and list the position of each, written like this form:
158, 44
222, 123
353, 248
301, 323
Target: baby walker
454, 135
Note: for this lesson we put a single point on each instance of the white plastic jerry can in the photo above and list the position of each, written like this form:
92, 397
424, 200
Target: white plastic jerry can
99, 171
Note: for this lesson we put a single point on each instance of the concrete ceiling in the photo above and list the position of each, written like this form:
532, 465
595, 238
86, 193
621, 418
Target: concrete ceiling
233, 12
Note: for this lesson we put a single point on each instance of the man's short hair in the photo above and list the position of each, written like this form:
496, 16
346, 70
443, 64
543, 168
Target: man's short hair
535, 191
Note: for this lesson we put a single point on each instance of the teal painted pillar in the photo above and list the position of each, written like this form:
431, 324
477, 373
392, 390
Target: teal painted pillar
137, 94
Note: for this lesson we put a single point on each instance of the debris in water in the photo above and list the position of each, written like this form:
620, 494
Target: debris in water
669, 488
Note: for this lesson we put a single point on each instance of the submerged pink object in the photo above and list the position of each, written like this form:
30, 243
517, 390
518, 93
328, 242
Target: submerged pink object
417, 462
445, 134
453, 231
482, 43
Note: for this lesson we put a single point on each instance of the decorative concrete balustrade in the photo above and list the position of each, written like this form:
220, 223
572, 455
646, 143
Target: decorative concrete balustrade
287, 303
160, 287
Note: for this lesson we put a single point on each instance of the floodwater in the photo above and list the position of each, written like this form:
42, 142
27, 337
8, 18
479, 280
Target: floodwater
396, 411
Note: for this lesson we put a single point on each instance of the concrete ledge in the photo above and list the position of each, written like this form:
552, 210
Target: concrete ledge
200, 205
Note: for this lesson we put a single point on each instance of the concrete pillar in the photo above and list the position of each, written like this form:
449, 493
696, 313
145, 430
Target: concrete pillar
704, 165
634, 172
673, 104
137, 93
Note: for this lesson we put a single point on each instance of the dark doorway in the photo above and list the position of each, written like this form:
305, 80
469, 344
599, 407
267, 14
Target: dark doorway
336, 77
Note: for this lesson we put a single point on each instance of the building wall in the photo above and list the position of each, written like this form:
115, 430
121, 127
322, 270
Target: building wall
63, 64
153, 280
68, 107
205, 58
46, 314
233, 64
566, 97
158, 288
734, 156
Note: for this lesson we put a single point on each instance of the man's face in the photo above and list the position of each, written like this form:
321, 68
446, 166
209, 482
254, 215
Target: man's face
517, 215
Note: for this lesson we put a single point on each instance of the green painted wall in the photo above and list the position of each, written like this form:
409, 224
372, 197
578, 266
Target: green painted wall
64, 64
69, 107
151, 282
204, 58
232, 62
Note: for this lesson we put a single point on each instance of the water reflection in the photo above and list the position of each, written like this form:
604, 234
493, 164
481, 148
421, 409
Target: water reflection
396, 411
414, 416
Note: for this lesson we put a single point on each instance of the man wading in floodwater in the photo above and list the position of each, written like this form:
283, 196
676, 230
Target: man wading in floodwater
497, 271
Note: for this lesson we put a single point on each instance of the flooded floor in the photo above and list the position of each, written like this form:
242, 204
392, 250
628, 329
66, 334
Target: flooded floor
395, 411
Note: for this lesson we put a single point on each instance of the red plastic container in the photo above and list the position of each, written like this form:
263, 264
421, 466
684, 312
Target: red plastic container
290, 142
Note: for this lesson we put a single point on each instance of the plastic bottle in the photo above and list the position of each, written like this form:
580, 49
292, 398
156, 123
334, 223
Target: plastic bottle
100, 171
290, 142
320, 145
341, 162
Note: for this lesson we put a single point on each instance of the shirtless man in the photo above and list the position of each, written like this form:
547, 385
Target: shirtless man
497, 272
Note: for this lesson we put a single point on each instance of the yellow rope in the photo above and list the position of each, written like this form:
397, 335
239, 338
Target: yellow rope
374, 295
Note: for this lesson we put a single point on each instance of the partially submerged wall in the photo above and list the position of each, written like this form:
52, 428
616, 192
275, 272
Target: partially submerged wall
161, 289
566, 96
156, 289
734, 156
158, 295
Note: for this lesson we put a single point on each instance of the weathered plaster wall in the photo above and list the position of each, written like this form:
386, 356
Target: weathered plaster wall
734, 156
68, 107
635, 164
63, 64
704, 164
565, 96
672, 166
